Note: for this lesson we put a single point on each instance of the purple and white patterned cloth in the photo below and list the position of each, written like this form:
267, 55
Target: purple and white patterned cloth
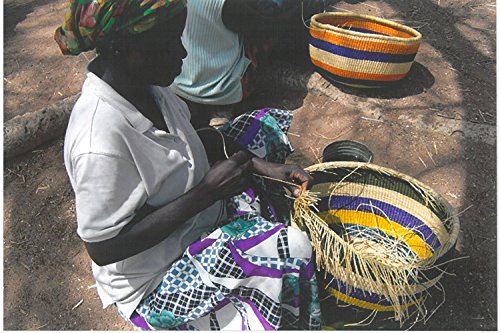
247, 275
263, 133
251, 274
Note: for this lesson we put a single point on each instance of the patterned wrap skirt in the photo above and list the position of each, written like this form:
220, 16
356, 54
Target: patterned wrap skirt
254, 272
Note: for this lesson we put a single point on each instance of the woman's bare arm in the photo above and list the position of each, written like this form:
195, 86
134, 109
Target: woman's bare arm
148, 228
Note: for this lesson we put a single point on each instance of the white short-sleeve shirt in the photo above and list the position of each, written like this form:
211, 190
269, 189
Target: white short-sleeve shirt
117, 161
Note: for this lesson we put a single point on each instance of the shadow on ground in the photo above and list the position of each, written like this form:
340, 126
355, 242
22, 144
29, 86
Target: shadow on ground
16, 11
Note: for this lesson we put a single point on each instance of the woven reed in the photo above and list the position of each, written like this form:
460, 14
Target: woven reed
367, 263
417, 36
379, 65
412, 207
363, 67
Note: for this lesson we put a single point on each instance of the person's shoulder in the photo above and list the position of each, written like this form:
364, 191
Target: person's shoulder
95, 126
96, 100
97, 112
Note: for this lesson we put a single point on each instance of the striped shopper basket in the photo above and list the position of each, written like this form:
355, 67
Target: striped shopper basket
360, 50
382, 237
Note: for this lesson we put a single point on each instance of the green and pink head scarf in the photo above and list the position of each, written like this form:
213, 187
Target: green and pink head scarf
90, 22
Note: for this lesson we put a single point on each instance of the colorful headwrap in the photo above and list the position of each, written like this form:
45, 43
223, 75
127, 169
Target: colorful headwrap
89, 22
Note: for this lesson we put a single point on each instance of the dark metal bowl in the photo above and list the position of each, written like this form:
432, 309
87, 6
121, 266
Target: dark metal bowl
347, 150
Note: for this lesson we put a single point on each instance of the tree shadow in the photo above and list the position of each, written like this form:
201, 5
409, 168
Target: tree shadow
272, 95
15, 12
475, 75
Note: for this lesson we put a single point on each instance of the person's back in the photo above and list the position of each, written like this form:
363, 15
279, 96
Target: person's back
215, 63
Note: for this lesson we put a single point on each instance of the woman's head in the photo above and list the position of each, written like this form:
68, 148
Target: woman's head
144, 35
152, 57
89, 23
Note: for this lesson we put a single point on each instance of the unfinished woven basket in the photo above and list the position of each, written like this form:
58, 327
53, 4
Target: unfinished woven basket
378, 234
361, 50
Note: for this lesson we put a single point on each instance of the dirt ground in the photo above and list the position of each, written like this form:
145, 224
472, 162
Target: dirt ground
411, 128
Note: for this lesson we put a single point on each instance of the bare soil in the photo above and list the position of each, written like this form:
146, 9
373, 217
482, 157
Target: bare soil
47, 279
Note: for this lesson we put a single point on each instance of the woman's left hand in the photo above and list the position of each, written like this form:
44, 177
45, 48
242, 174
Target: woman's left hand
286, 172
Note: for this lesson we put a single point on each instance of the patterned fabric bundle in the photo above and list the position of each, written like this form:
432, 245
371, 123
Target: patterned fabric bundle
263, 132
88, 22
378, 234
247, 275
251, 274
360, 50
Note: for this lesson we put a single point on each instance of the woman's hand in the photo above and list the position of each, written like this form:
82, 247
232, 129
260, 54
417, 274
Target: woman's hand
228, 178
151, 226
286, 172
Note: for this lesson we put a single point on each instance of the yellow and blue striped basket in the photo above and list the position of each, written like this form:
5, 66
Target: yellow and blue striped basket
361, 50
379, 235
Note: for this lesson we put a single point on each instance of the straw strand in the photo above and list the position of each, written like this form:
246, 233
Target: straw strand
369, 261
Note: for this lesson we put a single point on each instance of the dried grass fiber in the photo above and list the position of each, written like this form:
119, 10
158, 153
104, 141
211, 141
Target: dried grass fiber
378, 234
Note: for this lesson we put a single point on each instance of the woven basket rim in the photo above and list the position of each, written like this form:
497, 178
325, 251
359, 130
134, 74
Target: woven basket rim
455, 222
413, 40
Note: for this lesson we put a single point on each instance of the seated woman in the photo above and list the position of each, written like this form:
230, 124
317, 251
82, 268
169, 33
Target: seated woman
175, 242
229, 42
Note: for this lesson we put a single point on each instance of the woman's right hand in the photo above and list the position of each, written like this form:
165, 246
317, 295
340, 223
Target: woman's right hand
229, 177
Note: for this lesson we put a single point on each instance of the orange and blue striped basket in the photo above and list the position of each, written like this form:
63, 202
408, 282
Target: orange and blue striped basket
361, 50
